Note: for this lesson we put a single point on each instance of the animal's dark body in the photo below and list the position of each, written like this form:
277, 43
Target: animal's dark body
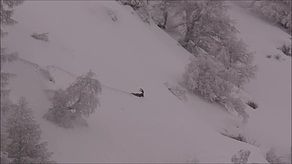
139, 94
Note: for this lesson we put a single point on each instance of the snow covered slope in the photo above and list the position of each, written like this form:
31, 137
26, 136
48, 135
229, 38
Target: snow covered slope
125, 54
270, 124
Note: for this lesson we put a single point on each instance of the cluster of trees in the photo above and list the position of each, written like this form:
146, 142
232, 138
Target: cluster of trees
20, 134
278, 11
75, 102
221, 63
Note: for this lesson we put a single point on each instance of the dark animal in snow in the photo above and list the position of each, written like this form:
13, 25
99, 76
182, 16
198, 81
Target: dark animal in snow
141, 94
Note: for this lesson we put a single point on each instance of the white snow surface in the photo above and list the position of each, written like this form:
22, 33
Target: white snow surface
270, 124
128, 54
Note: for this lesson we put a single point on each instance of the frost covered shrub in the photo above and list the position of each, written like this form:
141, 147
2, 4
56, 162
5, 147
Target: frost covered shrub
4, 143
159, 13
207, 23
241, 157
239, 106
278, 11
273, 158
237, 60
144, 14
78, 100
25, 136
286, 49
60, 114
202, 76
277, 57
135, 4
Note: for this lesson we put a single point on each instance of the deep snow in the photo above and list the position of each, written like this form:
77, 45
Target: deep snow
270, 124
125, 55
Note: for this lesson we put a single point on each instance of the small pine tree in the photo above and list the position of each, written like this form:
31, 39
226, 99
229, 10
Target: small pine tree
78, 100
82, 94
25, 136
6, 11
4, 142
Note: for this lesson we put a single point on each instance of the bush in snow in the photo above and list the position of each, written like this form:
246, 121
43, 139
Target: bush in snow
278, 11
25, 135
200, 77
239, 106
60, 114
286, 49
42, 36
241, 157
273, 158
77, 101
144, 13
277, 57
159, 13
4, 143
203, 76
135, 4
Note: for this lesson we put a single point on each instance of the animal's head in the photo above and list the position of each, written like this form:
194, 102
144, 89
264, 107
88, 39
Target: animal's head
141, 90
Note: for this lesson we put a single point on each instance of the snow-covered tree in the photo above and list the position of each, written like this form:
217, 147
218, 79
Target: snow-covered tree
135, 4
278, 11
237, 60
6, 11
241, 157
221, 62
159, 11
78, 100
205, 22
25, 136
4, 142
207, 25
82, 94
203, 77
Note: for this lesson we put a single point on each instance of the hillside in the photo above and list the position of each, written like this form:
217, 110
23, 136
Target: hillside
126, 54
